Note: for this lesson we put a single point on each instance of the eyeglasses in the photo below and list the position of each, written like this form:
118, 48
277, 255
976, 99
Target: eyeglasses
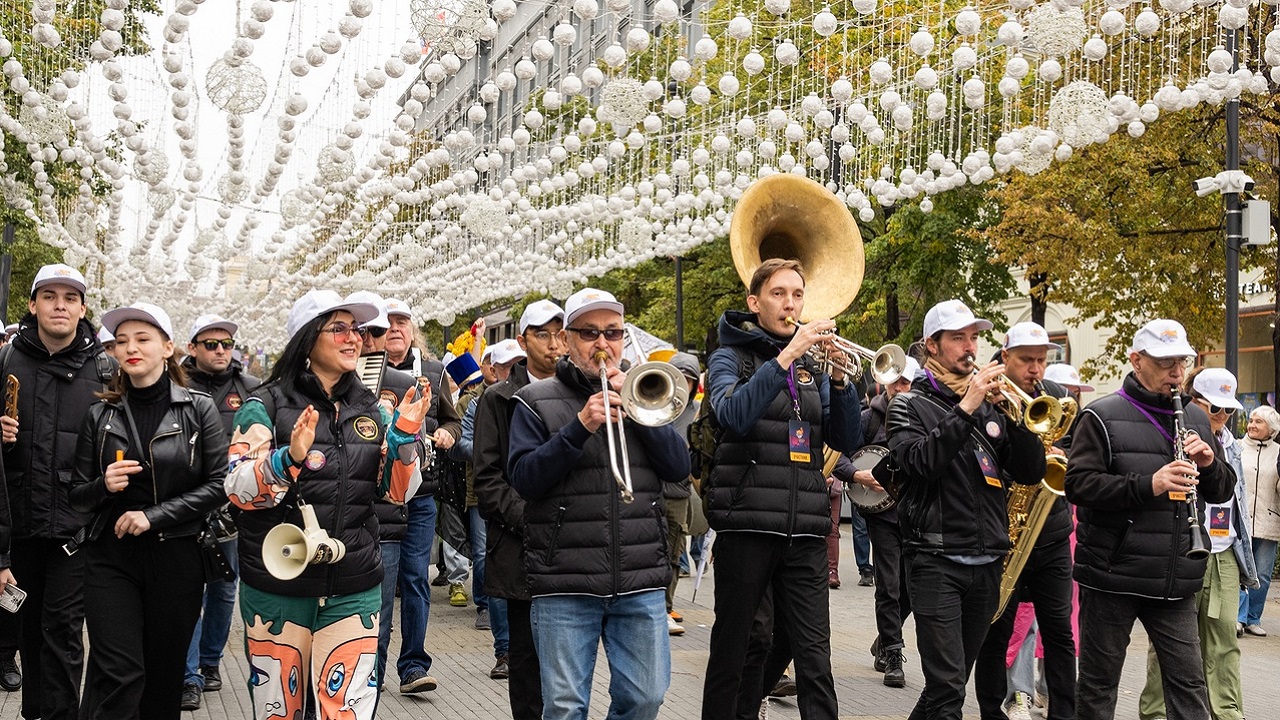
542, 336
224, 343
592, 334
1169, 363
374, 332
341, 330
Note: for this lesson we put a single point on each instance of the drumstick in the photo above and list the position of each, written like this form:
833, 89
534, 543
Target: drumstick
119, 455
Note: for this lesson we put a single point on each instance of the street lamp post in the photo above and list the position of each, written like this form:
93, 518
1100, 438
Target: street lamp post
1234, 219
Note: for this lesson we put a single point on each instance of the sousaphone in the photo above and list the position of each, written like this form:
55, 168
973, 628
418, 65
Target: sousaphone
791, 217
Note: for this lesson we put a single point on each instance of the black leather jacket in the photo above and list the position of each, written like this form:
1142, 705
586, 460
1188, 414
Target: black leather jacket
499, 503
188, 454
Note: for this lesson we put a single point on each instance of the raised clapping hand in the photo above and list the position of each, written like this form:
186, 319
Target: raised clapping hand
1177, 476
980, 386
592, 414
303, 435
414, 407
117, 474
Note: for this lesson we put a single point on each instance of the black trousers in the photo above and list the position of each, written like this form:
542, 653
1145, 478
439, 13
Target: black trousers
524, 685
1046, 583
1106, 621
52, 618
953, 604
142, 599
746, 564
893, 602
768, 654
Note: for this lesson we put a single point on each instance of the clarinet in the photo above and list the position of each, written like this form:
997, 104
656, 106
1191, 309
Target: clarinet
1197, 550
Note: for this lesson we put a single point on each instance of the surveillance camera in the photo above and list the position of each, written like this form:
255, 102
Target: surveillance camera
1205, 186
1248, 185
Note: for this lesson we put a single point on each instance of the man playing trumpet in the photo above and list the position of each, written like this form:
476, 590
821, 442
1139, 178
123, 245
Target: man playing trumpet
953, 448
767, 497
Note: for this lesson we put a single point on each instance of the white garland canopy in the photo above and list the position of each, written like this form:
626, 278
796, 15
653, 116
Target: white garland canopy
211, 182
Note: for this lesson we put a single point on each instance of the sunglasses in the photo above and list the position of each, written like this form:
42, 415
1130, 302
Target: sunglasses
592, 334
1214, 409
1170, 362
341, 330
374, 332
224, 343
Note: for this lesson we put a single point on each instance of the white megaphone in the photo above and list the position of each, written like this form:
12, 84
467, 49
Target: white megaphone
288, 549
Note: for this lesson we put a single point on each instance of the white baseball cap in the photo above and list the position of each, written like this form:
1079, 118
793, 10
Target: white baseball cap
501, 353
1218, 386
1162, 339
11, 328
586, 300
105, 336
1066, 376
540, 313
394, 306
317, 303
951, 315
58, 274
1028, 334
365, 296
143, 311
212, 322
911, 370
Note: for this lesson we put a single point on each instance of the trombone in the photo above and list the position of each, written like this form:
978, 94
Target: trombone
653, 394
887, 364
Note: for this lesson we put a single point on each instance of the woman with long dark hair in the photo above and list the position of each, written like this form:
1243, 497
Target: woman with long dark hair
149, 467
314, 442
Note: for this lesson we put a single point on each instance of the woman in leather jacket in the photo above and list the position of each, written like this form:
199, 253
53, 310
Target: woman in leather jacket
149, 467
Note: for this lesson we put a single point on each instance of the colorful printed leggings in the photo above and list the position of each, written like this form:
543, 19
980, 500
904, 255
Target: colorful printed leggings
332, 642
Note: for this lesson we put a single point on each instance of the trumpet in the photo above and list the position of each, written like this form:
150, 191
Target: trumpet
887, 364
11, 386
1042, 415
653, 394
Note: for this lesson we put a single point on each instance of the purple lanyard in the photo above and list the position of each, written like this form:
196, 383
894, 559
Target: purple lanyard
791, 388
1146, 410
934, 383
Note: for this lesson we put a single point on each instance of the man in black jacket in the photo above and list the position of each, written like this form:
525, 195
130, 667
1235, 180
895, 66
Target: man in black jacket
1135, 525
59, 365
505, 579
211, 369
952, 448
766, 497
1046, 578
597, 563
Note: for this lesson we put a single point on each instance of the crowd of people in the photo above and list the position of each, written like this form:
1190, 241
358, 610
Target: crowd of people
150, 489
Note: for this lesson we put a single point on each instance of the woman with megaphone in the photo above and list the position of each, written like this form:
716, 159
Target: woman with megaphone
149, 467
311, 452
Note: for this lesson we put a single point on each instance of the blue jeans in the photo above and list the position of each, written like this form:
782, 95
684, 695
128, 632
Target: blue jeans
1253, 602
478, 546
861, 541
498, 626
210, 636
568, 629
390, 577
415, 586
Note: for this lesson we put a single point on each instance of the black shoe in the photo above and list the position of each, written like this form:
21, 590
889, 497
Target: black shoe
212, 680
417, 681
875, 653
866, 579
501, 670
893, 675
10, 675
786, 687
190, 696
440, 580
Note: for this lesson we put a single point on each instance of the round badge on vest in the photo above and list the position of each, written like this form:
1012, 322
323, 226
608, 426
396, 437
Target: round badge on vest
803, 376
993, 429
388, 396
233, 401
365, 427
315, 460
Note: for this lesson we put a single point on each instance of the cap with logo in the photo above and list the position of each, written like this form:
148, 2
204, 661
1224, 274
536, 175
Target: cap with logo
1067, 376
58, 274
1028, 334
212, 322
501, 353
539, 313
1162, 339
146, 312
365, 296
395, 306
951, 315
1218, 386
586, 300
318, 303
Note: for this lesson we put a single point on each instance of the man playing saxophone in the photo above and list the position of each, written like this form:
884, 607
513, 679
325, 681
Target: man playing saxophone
1131, 555
1045, 580
952, 449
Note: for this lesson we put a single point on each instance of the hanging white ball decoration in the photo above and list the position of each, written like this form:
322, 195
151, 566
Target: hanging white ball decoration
753, 63
926, 78
865, 7
729, 85
705, 48
1056, 32
1147, 23
701, 94
614, 56
624, 102
963, 58
777, 7
922, 42
1176, 7
1136, 129
881, 72
1219, 60
1010, 34
570, 85
637, 39
586, 10
740, 28
680, 70
476, 114
968, 22
1232, 18
1009, 87
593, 77
825, 23
1079, 113
786, 53
1111, 23
237, 89
1050, 71
666, 12
1095, 49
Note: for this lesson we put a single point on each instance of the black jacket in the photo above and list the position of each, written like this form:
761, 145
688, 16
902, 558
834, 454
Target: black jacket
500, 505
1058, 526
1128, 540
229, 389
187, 454
54, 397
948, 504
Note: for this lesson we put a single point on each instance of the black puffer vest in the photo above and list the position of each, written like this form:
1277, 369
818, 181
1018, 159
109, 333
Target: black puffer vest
342, 491
229, 389
755, 486
1143, 550
582, 539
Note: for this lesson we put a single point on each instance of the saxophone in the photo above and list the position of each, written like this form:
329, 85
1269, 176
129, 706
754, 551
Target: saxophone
1029, 505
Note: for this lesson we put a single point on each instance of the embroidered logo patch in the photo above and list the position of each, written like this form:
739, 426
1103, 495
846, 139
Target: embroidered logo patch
365, 427
315, 460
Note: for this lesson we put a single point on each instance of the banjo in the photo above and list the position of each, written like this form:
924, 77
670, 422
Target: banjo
866, 499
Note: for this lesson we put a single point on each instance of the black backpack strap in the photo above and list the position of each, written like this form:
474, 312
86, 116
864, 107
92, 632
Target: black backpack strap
105, 365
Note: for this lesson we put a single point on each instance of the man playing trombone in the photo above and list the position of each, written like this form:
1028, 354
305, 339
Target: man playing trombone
952, 448
767, 496
597, 558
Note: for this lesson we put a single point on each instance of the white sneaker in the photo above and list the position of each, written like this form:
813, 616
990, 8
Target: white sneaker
1020, 708
673, 627
764, 709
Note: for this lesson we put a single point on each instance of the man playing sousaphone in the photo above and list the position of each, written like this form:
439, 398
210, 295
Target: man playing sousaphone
952, 448
767, 497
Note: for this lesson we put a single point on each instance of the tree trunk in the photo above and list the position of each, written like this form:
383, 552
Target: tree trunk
1039, 296
892, 317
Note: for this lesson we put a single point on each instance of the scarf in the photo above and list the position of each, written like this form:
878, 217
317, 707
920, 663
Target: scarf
959, 384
